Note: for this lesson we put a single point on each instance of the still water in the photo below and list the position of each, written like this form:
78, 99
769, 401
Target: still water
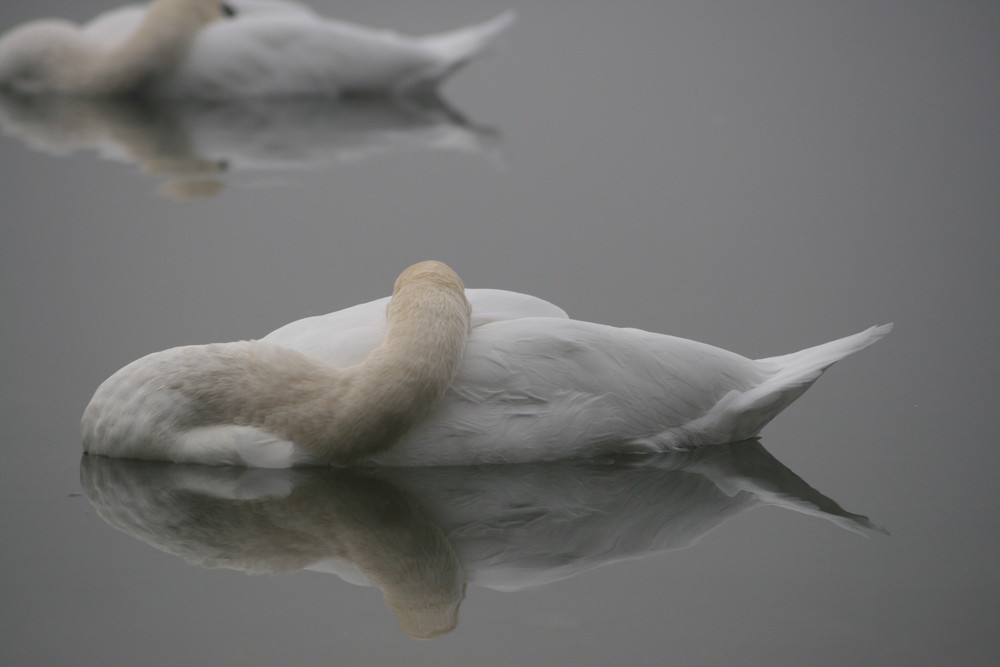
762, 176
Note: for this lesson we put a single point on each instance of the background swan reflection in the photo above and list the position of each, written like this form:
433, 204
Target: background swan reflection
421, 534
205, 145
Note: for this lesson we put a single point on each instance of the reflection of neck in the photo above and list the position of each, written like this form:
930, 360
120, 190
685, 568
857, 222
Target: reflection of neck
279, 521
386, 534
155, 48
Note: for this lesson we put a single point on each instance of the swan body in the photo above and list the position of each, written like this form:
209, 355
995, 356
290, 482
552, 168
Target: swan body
546, 388
532, 385
239, 48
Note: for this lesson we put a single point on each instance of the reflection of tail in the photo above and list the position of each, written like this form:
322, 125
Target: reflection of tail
741, 415
456, 48
748, 467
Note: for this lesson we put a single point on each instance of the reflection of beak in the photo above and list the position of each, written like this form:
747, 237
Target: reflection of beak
182, 165
190, 190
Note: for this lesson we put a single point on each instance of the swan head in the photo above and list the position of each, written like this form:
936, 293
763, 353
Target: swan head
205, 11
437, 273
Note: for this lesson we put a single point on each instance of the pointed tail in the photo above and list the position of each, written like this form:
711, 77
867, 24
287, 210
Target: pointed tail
456, 48
741, 415
805, 366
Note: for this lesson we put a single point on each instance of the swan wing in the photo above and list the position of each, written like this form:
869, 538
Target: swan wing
289, 53
110, 29
535, 389
347, 336
494, 305
547, 389
113, 26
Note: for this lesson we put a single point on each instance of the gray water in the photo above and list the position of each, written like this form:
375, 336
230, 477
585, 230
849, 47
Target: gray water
762, 176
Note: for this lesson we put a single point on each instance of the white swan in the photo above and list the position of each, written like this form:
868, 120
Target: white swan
238, 48
533, 386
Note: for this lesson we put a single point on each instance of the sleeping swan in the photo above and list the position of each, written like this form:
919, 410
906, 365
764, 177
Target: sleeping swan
237, 48
403, 381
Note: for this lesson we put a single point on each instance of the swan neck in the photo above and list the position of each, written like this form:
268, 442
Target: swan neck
400, 382
157, 46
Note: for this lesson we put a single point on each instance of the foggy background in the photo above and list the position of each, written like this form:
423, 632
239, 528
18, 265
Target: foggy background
762, 176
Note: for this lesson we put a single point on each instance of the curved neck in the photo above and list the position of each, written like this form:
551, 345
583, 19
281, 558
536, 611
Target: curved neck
363, 409
155, 48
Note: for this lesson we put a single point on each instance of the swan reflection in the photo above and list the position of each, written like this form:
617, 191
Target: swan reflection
421, 534
205, 145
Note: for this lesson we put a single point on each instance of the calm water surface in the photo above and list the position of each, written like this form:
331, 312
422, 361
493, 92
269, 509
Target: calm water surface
762, 176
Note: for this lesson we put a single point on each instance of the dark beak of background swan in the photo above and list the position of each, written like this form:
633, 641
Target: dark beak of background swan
227, 9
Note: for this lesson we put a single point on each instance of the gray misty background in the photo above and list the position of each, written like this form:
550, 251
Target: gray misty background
761, 175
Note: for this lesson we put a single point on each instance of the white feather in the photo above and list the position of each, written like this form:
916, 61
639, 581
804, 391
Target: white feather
527, 384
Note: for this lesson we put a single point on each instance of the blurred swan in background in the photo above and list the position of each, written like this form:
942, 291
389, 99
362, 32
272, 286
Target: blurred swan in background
237, 48
422, 534
519, 388
205, 145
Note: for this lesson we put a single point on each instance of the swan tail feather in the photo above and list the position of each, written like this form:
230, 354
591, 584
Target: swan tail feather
806, 365
742, 414
456, 48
